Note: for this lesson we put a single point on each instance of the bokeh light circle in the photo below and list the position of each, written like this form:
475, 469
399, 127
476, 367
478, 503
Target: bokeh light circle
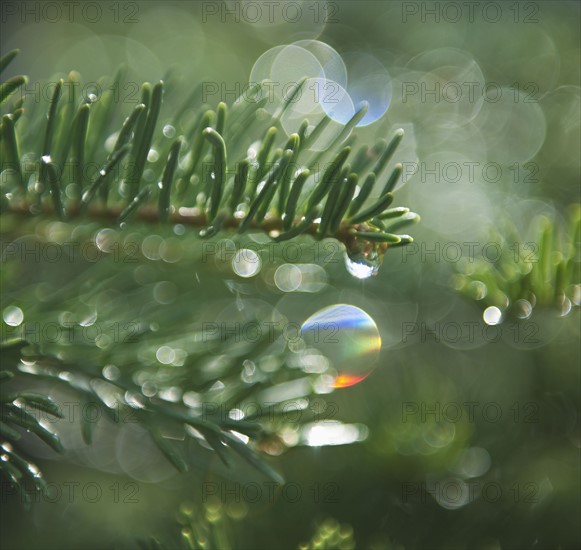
319, 99
246, 263
348, 337
332, 63
368, 81
513, 125
452, 88
280, 69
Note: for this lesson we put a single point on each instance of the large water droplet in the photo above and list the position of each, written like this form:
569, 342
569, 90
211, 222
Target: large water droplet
348, 337
362, 267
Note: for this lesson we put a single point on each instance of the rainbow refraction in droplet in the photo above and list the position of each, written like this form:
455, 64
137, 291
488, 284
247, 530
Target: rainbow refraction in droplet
348, 338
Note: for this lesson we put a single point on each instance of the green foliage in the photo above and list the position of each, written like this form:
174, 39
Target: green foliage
331, 534
199, 185
537, 272
119, 390
15, 407
211, 529
276, 191
206, 180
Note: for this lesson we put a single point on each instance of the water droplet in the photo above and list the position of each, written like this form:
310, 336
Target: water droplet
13, 316
149, 389
348, 337
111, 372
173, 394
523, 309
89, 319
134, 400
192, 399
106, 239
248, 373
492, 315
169, 131
565, 306
361, 267
236, 414
103, 341
110, 142
165, 355
152, 156
71, 191
477, 290
241, 211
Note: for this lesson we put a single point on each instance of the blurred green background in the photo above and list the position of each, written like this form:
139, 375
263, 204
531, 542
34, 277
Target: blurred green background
530, 52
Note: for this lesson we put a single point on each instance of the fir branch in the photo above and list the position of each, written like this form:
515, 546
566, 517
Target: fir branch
275, 187
542, 272
270, 190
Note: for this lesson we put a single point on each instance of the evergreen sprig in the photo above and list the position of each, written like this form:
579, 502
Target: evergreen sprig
541, 271
18, 408
208, 527
123, 396
201, 172
207, 176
